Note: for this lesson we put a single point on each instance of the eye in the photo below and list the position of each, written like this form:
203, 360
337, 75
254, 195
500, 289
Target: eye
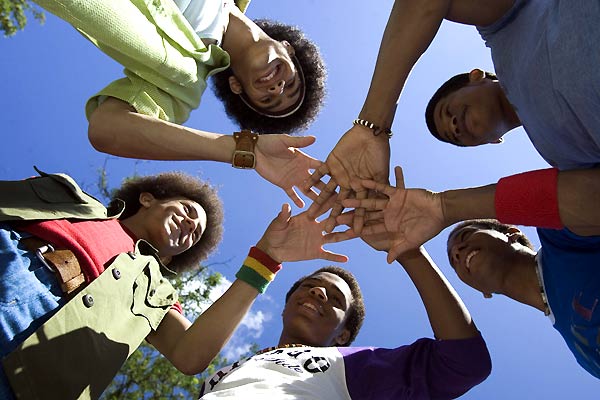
464, 235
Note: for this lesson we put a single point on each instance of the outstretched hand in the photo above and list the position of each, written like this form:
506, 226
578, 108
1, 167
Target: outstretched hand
357, 155
411, 216
296, 238
279, 161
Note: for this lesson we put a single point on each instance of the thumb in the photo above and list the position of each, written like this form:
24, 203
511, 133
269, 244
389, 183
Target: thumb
299, 141
285, 213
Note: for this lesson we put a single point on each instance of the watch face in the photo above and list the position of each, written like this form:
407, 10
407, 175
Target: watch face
243, 159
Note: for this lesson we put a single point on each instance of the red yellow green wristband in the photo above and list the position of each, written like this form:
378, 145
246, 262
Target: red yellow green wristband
530, 199
259, 269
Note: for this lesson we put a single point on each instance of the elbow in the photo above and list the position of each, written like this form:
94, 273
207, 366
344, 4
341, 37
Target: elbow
100, 135
191, 367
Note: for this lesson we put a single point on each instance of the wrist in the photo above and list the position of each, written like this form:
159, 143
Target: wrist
376, 129
464, 204
258, 270
244, 155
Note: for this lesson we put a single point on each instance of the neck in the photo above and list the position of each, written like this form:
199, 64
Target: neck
521, 283
135, 225
286, 339
240, 35
511, 118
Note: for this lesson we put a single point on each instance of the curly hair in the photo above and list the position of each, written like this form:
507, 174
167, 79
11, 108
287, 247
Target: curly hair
356, 314
451, 85
492, 224
177, 184
310, 60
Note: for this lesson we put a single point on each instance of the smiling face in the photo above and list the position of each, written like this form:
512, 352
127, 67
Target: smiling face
315, 313
473, 115
481, 256
268, 79
172, 226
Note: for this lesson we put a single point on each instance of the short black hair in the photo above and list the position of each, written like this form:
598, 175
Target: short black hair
451, 85
310, 60
493, 225
168, 185
356, 314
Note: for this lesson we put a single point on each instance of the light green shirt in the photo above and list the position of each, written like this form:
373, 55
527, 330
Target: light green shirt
166, 63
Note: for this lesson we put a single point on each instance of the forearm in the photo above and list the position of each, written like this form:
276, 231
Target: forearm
411, 27
579, 200
469, 203
214, 327
448, 316
115, 128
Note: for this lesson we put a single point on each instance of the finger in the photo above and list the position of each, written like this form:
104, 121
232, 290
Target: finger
327, 192
369, 204
337, 237
374, 229
336, 209
378, 187
294, 197
345, 218
335, 257
310, 192
317, 175
286, 213
359, 213
328, 205
299, 141
372, 216
399, 177
313, 163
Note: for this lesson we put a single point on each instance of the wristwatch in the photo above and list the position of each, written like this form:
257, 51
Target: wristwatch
243, 156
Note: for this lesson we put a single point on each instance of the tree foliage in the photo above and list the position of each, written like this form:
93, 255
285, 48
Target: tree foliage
12, 15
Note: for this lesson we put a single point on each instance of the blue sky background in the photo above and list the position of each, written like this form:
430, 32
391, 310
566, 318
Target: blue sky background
48, 72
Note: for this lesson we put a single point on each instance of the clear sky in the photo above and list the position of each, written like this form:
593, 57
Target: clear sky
48, 72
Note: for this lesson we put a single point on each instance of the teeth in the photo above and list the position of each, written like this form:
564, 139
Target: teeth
270, 76
469, 256
308, 305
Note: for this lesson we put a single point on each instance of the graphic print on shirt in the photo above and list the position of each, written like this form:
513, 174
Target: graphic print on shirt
297, 361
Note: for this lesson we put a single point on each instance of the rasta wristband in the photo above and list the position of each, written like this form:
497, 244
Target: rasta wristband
259, 269
529, 198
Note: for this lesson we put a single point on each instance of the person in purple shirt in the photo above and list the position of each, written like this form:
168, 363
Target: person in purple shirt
322, 315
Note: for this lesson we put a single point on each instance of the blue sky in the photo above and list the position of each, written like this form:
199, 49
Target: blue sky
49, 71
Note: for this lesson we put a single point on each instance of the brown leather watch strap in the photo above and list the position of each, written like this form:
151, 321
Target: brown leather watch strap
243, 156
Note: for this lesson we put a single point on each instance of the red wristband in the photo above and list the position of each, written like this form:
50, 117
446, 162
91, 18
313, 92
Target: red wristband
529, 198
264, 259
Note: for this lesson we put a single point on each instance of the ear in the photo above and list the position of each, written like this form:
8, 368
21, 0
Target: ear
342, 338
146, 199
476, 75
235, 85
288, 47
513, 235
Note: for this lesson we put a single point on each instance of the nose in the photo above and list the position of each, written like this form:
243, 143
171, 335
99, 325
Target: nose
277, 87
454, 125
191, 224
319, 293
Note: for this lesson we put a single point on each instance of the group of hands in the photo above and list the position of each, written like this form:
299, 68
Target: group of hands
388, 218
